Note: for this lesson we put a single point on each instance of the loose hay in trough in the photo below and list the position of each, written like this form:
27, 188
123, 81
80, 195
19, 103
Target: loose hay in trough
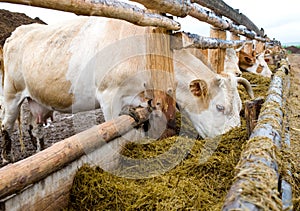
199, 182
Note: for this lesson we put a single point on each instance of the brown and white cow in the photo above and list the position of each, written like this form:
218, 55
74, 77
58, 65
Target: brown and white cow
251, 59
274, 55
81, 64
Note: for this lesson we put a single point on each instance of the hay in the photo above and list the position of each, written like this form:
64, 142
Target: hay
190, 185
260, 86
199, 182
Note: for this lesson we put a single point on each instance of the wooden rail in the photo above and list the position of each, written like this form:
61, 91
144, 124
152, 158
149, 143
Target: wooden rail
221, 8
182, 9
16, 176
138, 16
105, 8
180, 40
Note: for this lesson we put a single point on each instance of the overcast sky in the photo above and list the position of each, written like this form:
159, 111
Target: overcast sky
280, 20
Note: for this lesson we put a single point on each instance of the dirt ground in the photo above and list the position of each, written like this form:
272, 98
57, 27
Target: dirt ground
294, 125
63, 126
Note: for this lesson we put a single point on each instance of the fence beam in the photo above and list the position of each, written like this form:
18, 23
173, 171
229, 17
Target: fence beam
182, 40
183, 8
175, 7
105, 8
216, 57
221, 8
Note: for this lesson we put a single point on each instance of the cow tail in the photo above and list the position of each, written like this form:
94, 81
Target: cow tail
21, 132
2, 66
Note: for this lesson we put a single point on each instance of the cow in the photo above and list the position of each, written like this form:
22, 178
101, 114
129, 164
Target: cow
274, 55
88, 62
237, 60
252, 61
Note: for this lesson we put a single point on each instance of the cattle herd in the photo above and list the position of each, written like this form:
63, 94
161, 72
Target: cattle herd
92, 62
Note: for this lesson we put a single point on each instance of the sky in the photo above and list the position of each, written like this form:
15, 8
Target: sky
280, 19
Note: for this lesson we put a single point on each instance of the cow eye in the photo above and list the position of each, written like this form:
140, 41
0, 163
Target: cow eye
220, 108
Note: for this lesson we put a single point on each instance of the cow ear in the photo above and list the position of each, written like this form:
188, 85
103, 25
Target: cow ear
248, 59
199, 88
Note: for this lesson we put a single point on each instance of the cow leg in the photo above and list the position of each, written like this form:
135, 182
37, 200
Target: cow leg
32, 138
6, 147
11, 112
36, 133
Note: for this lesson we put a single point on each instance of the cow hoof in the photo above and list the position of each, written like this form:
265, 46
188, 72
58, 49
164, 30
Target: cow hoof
4, 161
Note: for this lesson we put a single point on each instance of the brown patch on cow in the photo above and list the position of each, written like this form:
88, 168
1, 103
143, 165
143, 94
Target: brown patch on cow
42, 63
246, 60
161, 101
259, 69
52, 88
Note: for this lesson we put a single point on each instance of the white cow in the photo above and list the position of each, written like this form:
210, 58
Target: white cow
81, 64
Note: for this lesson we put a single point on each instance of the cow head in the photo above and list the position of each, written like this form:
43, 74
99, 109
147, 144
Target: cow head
231, 62
254, 63
211, 101
272, 57
216, 106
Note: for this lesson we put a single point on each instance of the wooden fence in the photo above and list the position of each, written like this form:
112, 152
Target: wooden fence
41, 183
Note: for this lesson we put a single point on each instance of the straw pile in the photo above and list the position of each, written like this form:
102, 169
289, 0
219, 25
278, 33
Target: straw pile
199, 182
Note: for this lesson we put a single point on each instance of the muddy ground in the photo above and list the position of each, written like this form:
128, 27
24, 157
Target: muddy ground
293, 113
63, 126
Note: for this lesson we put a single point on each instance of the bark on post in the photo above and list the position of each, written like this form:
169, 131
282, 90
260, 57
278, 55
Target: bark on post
260, 47
248, 48
160, 63
234, 36
216, 56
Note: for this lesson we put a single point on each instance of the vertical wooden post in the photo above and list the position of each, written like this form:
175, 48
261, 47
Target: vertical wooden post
160, 63
234, 36
204, 53
248, 48
260, 47
252, 110
216, 57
